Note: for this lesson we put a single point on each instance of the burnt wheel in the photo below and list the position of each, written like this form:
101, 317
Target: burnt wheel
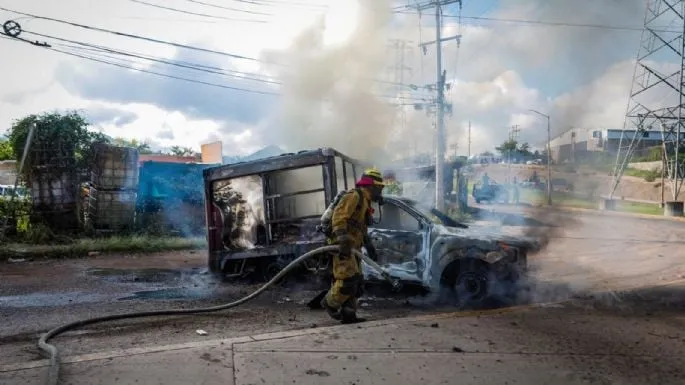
471, 285
467, 283
271, 269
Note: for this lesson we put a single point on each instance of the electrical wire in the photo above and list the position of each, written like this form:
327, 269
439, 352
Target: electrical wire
176, 63
229, 8
108, 59
164, 75
547, 23
139, 37
144, 38
274, 3
195, 13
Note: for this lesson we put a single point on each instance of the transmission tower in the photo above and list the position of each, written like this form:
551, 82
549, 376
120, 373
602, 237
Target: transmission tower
657, 98
398, 69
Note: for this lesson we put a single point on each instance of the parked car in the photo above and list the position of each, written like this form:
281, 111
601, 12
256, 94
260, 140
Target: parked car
493, 193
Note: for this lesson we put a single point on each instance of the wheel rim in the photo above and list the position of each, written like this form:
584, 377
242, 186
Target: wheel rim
472, 285
271, 270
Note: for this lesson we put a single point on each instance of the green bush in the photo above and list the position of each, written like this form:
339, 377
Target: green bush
652, 175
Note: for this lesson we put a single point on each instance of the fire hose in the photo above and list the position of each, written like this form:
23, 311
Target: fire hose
53, 352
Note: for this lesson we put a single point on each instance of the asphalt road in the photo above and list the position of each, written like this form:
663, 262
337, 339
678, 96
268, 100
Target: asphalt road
585, 254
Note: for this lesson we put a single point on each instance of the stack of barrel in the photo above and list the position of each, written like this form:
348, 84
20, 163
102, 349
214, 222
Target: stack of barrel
113, 190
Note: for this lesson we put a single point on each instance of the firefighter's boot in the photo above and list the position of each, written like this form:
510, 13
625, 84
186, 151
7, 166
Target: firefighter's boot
348, 313
336, 314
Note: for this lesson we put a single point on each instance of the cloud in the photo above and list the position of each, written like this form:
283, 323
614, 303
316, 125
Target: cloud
107, 115
196, 101
166, 134
579, 75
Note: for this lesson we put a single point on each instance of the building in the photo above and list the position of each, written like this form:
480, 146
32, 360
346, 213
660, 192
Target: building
578, 143
8, 171
165, 158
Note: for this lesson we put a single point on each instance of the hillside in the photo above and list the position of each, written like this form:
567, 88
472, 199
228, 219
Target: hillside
584, 180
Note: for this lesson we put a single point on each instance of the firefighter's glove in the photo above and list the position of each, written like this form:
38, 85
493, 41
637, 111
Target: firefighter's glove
345, 242
370, 249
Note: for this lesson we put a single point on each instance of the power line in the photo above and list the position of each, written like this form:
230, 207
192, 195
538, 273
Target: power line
177, 63
195, 13
272, 3
130, 67
164, 75
153, 40
229, 8
148, 71
544, 23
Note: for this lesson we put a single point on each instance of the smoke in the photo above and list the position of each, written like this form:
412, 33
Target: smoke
329, 95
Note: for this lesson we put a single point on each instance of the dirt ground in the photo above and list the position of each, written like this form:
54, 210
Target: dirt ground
585, 181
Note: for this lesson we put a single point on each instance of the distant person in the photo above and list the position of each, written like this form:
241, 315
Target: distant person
485, 179
463, 192
392, 185
515, 191
535, 178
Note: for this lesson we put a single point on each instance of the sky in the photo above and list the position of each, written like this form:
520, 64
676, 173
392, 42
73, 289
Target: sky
310, 73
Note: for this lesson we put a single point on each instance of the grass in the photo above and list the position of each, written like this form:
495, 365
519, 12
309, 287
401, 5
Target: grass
647, 175
83, 246
563, 199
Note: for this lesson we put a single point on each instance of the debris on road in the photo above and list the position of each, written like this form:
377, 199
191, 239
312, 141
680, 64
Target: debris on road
201, 332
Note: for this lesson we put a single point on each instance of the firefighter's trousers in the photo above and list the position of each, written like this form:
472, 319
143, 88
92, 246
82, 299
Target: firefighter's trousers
348, 282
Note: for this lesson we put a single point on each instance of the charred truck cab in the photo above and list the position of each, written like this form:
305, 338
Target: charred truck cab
263, 214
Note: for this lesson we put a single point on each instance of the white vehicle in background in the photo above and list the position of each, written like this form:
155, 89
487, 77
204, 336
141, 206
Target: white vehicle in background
6, 192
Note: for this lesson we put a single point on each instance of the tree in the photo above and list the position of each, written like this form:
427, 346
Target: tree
143, 147
181, 151
6, 150
524, 148
508, 147
512, 148
61, 141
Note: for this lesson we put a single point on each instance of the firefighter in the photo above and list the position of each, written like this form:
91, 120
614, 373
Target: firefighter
351, 218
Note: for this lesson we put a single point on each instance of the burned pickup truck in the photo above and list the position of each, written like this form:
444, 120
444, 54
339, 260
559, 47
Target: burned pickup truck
263, 214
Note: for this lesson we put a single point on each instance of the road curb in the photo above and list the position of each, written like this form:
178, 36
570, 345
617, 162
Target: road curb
229, 342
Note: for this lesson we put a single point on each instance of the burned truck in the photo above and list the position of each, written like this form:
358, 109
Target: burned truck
263, 214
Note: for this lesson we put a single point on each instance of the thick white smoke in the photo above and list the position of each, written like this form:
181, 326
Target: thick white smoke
330, 98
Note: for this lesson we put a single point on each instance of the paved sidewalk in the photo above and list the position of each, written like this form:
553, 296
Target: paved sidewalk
550, 344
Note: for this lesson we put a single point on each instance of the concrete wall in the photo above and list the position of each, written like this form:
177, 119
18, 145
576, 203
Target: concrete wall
8, 171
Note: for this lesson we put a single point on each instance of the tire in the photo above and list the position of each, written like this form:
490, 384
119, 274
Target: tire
270, 269
468, 284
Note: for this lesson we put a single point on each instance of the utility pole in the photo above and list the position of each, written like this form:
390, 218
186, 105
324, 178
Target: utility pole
440, 124
469, 153
400, 47
549, 157
513, 135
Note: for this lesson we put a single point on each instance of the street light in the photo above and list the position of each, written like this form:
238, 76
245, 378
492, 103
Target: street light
549, 158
